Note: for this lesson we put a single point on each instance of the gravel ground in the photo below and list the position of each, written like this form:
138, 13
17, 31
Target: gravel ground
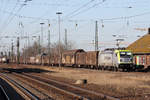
125, 85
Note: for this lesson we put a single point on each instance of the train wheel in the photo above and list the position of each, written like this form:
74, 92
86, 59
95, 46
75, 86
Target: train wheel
105, 68
97, 68
113, 68
116, 69
123, 70
100, 68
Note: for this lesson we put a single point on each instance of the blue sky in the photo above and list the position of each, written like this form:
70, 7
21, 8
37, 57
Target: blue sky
78, 18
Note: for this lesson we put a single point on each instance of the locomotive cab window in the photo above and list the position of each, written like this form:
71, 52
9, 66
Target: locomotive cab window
122, 53
125, 54
129, 53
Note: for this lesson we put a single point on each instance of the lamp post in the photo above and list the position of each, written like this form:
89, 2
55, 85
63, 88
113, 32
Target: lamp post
42, 50
42, 33
49, 42
12, 52
59, 13
39, 45
18, 53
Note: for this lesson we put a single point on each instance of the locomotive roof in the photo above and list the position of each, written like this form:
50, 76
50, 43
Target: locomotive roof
112, 49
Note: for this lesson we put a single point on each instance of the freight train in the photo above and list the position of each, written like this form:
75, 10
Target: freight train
111, 59
107, 59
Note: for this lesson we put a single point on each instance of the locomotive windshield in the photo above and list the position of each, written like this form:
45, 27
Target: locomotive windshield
125, 57
125, 54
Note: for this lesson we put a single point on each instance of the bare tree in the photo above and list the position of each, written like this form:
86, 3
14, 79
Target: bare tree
33, 50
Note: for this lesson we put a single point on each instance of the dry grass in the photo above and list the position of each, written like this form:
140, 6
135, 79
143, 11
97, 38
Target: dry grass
123, 84
126, 85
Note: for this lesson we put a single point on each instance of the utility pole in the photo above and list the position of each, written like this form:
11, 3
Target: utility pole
24, 54
66, 41
28, 45
49, 42
26, 50
12, 52
42, 36
39, 48
96, 36
18, 53
59, 13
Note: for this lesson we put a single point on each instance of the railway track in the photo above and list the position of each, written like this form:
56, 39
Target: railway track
26, 94
3, 94
67, 95
47, 78
39, 94
73, 92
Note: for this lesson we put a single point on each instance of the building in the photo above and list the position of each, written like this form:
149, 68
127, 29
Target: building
141, 50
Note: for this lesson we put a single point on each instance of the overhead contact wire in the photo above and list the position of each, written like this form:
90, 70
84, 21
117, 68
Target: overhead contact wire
6, 25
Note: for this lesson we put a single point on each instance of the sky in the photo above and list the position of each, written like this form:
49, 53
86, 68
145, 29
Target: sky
117, 19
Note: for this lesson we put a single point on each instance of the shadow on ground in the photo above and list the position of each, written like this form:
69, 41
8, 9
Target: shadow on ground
24, 70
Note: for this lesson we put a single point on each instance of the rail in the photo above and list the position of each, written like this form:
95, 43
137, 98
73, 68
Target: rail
82, 89
52, 86
25, 92
75, 87
5, 94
